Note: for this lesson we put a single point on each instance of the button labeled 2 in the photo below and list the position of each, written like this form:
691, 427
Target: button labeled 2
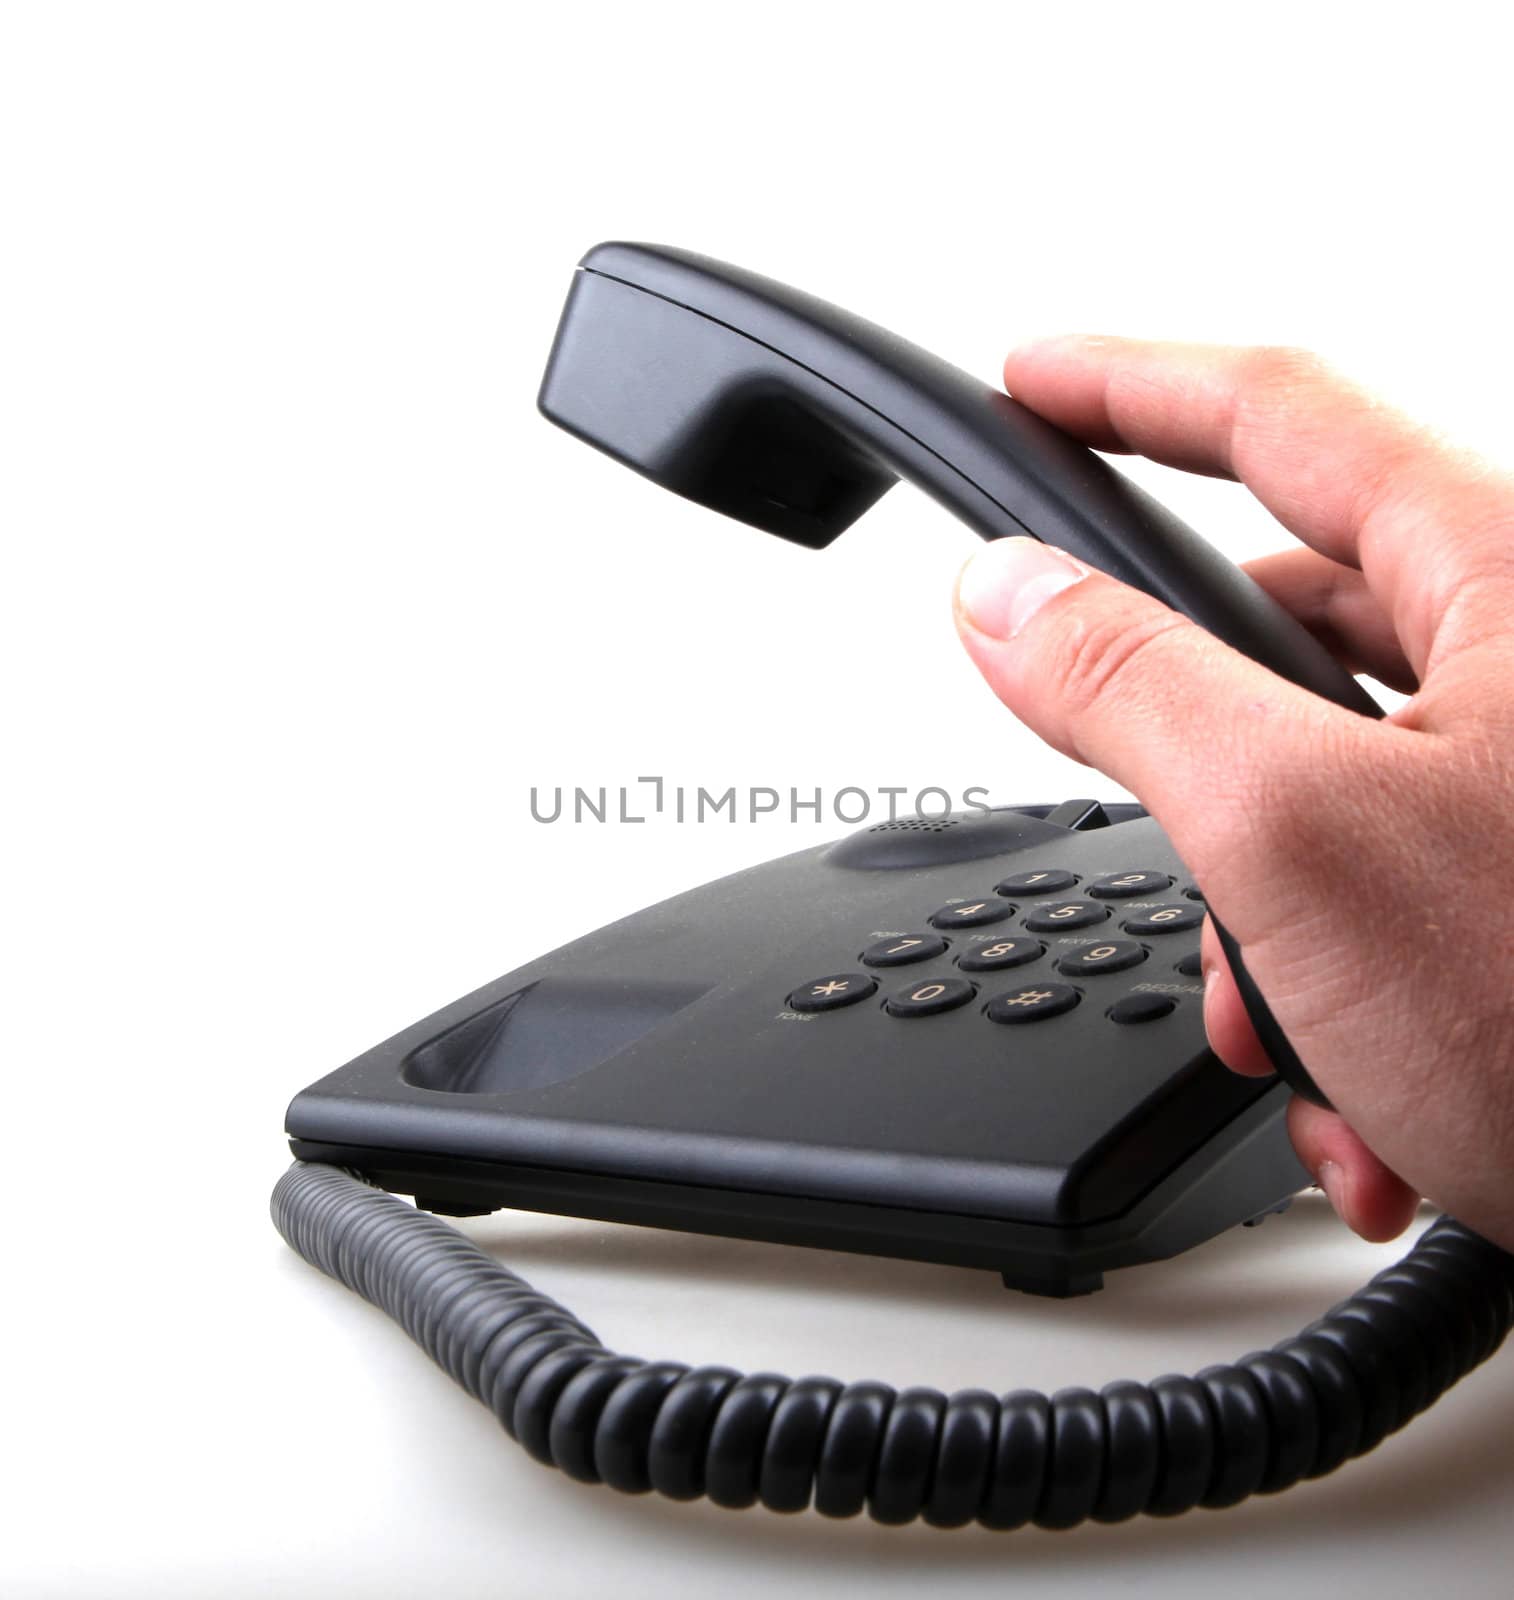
1127, 885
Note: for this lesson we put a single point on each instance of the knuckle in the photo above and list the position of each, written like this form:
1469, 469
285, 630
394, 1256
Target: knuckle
1277, 388
1271, 368
1277, 384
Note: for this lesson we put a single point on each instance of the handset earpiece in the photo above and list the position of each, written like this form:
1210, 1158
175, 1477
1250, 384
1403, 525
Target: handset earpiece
794, 416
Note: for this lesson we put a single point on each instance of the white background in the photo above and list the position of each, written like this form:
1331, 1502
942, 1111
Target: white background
301, 597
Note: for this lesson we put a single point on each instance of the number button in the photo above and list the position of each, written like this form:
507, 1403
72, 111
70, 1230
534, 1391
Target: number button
1033, 1003
1127, 885
1064, 915
1191, 966
1050, 880
1114, 955
827, 994
926, 999
900, 951
996, 957
972, 914
1166, 919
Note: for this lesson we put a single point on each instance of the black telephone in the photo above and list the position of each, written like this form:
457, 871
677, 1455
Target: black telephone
972, 1039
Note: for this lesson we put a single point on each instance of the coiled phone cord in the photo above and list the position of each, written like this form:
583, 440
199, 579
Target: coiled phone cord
1260, 1425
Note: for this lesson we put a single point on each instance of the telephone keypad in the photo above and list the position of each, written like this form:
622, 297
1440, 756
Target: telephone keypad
1094, 957
903, 949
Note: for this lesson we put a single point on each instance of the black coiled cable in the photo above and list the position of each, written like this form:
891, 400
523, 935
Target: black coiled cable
1274, 1417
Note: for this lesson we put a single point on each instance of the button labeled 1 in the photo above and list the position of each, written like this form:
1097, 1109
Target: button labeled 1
1049, 880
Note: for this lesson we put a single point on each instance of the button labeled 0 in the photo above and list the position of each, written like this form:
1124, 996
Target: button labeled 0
930, 996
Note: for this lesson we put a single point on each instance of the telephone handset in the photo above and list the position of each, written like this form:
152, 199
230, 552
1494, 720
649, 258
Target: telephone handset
794, 416
972, 1039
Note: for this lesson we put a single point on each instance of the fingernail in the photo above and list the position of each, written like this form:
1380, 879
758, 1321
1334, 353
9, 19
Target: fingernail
1009, 580
1331, 1178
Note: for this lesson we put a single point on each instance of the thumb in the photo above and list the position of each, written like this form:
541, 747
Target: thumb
1234, 762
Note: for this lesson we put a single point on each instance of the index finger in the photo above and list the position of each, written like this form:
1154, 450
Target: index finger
1359, 481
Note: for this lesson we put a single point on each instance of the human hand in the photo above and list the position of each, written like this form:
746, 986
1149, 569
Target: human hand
1365, 868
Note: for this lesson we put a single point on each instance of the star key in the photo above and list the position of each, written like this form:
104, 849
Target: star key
832, 991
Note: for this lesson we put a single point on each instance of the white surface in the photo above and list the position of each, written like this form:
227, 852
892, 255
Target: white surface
302, 596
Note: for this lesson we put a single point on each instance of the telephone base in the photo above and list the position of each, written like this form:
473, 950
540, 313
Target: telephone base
975, 1040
